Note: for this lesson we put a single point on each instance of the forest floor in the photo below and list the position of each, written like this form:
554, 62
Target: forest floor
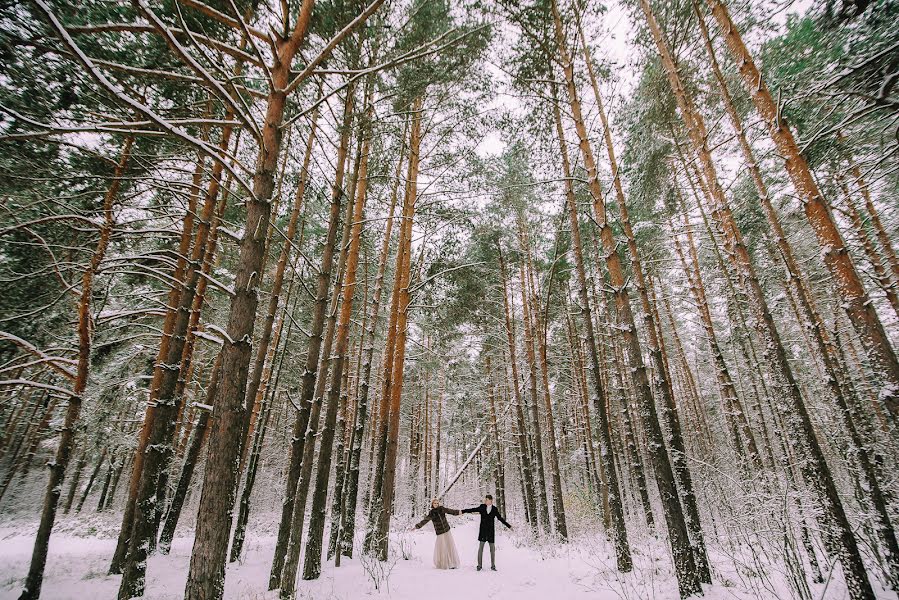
80, 550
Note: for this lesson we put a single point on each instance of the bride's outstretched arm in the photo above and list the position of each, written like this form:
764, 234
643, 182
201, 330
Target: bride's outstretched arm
421, 523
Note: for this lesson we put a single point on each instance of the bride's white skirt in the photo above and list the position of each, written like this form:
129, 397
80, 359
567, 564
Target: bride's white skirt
445, 555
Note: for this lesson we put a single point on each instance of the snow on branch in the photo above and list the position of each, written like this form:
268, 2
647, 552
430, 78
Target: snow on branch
160, 122
326, 52
222, 333
191, 62
36, 384
57, 363
209, 337
223, 18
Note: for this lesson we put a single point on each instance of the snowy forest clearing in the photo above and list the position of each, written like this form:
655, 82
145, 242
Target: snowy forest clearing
581, 570
278, 274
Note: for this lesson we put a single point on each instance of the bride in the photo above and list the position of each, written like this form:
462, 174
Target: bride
445, 555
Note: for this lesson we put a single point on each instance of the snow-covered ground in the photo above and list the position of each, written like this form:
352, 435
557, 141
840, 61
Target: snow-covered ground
80, 552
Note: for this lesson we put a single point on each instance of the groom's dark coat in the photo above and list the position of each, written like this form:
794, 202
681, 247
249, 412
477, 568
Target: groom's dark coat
487, 531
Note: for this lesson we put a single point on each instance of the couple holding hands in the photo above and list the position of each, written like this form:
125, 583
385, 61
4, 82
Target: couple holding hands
445, 555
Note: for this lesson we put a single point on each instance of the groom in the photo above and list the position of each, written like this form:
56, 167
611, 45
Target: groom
486, 532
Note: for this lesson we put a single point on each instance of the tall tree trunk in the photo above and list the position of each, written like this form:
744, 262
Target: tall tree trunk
379, 433
539, 330
348, 518
295, 544
499, 475
836, 378
580, 381
524, 454
536, 434
438, 433
268, 342
399, 355
688, 574
265, 349
616, 511
252, 468
744, 436
618, 377
313, 354
854, 297
383, 423
817, 473
312, 563
163, 406
35, 578
677, 451
180, 282
206, 576
737, 425
689, 379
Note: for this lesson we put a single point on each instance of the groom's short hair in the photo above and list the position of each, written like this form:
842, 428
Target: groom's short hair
489, 497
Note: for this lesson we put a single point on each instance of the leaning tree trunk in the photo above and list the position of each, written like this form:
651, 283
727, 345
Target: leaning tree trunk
833, 518
107, 480
35, 578
90, 481
733, 403
854, 297
880, 274
191, 457
886, 244
743, 443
